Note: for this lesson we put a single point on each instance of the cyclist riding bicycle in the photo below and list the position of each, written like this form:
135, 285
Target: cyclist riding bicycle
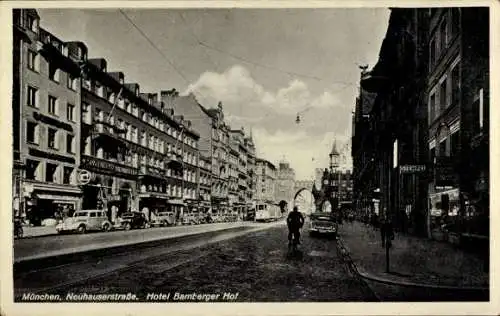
295, 221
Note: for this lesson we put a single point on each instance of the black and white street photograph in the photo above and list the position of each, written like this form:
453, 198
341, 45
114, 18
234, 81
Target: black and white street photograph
203, 154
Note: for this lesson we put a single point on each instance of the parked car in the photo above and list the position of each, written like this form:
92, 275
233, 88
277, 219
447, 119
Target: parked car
85, 220
131, 220
162, 219
189, 219
323, 222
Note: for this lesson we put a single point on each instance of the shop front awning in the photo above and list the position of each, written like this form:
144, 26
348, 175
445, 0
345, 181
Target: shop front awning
154, 196
57, 198
176, 202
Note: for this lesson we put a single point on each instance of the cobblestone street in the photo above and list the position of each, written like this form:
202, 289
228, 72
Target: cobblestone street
256, 266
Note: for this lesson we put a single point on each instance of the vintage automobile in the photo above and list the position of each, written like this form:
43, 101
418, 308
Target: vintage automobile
161, 219
188, 219
85, 220
131, 220
323, 222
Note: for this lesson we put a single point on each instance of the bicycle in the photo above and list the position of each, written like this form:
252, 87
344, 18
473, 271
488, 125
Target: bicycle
293, 243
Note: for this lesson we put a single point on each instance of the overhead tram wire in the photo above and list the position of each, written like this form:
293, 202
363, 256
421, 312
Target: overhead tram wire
169, 62
291, 73
246, 60
179, 72
197, 39
203, 44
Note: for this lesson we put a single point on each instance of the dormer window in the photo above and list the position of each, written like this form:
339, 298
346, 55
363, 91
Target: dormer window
136, 92
121, 81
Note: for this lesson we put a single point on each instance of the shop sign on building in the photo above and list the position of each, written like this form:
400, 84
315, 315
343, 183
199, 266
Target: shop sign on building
84, 177
412, 169
103, 165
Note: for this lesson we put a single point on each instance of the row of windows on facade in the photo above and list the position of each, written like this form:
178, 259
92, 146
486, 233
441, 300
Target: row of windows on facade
448, 147
442, 37
53, 108
49, 172
53, 104
447, 91
172, 190
54, 137
54, 73
449, 144
149, 141
221, 135
131, 133
133, 160
133, 109
238, 161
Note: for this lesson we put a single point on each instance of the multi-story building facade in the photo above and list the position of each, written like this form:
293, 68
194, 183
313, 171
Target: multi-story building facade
345, 186
457, 91
141, 154
363, 153
220, 160
285, 183
205, 182
251, 172
429, 122
202, 122
397, 123
266, 181
46, 119
95, 142
214, 143
234, 158
245, 148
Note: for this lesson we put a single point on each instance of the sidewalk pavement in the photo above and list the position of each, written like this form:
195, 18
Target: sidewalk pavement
37, 248
413, 261
38, 231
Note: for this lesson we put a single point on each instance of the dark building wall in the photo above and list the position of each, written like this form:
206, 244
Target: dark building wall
421, 52
474, 168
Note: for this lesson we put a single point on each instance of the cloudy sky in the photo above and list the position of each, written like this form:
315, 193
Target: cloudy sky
265, 65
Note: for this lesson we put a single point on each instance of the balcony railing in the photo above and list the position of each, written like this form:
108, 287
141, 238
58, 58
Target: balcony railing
145, 170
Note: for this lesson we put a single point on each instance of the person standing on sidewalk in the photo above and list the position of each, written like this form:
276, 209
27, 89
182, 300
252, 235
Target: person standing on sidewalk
386, 230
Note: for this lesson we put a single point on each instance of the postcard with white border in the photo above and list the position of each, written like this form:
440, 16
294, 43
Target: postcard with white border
249, 158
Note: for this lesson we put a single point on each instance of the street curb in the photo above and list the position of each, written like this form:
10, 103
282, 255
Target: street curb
368, 276
48, 261
344, 254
